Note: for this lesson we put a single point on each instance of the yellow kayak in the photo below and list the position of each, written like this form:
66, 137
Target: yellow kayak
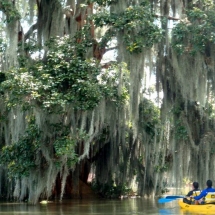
209, 208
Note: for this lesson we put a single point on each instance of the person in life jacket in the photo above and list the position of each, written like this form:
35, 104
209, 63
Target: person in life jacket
202, 197
194, 192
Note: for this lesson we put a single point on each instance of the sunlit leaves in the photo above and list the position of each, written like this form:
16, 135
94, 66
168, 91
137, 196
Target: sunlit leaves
10, 10
137, 23
65, 144
20, 157
192, 36
104, 2
149, 116
110, 79
2, 45
65, 77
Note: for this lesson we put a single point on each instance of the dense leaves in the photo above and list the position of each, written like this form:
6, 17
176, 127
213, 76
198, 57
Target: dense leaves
137, 23
105, 2
66, 77
149, 116
110, 190
194, 34
19, 157
65, 146
10, 10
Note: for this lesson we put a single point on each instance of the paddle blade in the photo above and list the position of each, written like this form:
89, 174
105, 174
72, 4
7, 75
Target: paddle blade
174, 197
164, 200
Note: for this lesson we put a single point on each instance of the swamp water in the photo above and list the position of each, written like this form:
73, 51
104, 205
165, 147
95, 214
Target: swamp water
94, 207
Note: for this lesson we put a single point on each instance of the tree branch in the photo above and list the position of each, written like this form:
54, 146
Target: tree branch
108, 64
110, 49
30, 31
168, 17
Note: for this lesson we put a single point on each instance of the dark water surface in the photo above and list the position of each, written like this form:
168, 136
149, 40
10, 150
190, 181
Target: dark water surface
94, 207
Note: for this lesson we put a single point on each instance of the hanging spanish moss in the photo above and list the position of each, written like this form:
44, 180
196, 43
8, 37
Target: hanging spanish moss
143, 120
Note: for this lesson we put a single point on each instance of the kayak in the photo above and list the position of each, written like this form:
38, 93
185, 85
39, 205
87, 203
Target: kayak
209, 208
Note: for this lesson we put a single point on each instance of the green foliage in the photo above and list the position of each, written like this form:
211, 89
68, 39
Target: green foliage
111, 78
25, 51
2, 45
196, 33
64, 146
179, 127
164, 190
110, 190
177, 109
210, 110
10, 10
180, 131
162, 167
104, 2
179, 33
19, 157
187, 181
66, 77
149, 116
137, 23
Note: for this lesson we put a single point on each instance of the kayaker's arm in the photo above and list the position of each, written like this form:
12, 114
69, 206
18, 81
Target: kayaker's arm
202, 194
190, 193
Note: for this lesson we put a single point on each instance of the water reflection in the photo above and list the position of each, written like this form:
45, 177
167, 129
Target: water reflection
94, 207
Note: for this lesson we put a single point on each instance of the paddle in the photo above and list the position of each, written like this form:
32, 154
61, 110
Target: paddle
164, 200
174, 197
169, 199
